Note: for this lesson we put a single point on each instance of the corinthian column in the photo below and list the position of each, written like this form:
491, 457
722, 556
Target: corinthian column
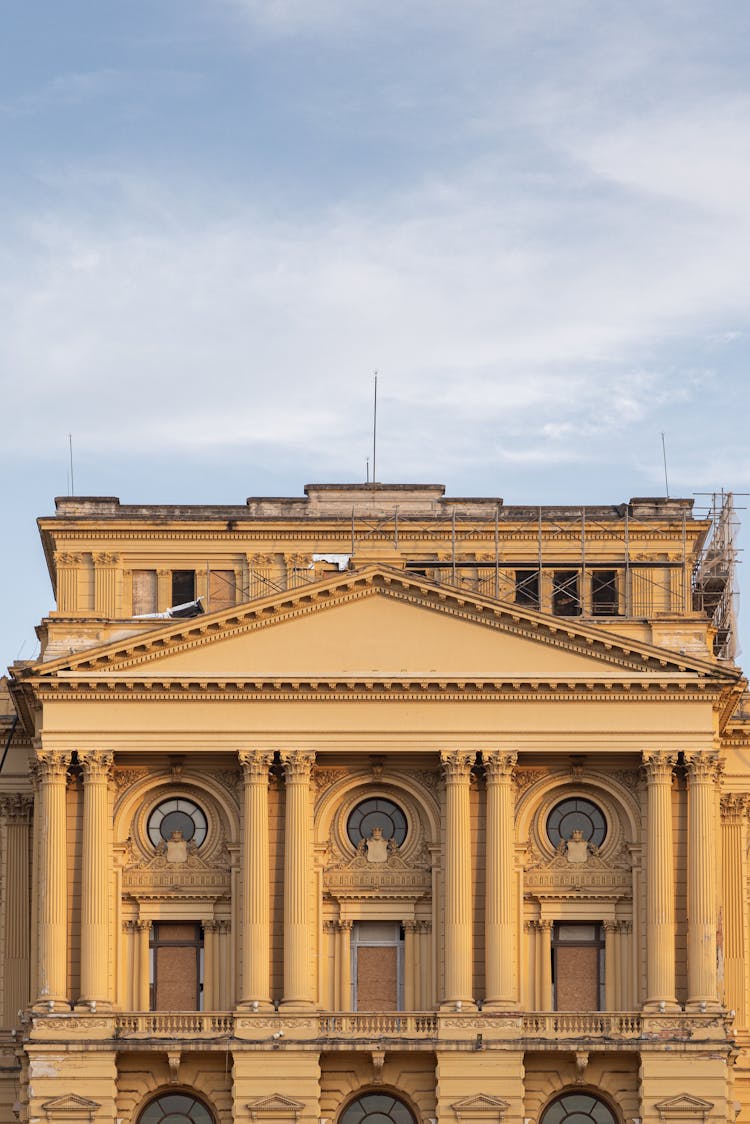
702, 777
458, 917
15, 816
297, 979
660, 925
96, 857
50, 773
499, 926
256, 904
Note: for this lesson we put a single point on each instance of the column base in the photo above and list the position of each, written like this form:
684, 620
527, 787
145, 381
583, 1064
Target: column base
305, 1005
458, 1006
704, 1007
661, 1006
255, 1006
500, 1005
101, 1007
50, 1007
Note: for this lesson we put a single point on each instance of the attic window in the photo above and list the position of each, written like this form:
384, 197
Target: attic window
183, 586
604, 601
527, 588
566, 599
144, 592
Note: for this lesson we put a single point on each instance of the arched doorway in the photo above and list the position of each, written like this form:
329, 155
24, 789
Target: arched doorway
578, 1108
176, 1108
375, 1108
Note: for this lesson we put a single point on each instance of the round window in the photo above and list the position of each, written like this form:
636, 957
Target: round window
574, 815
175, 1108
377, 812
578, 1108
177, 815
377, 1108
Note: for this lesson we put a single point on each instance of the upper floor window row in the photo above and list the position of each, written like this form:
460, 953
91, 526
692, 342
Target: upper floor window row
217, 589
568, 597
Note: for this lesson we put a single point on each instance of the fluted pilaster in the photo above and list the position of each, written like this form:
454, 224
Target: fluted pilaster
660, 901
500, 920
143, 927
256, 900
96, 857
458, 913
702, 778
50, 772
15, 817
734, 822
298, 766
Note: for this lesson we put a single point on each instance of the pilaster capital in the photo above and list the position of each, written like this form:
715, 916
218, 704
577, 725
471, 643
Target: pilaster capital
298, 765
658, 765
67, 558
344, 926
611, 926
16, 807
411, 926
210, 926
96, 764
456, 765
735, 807
50, 765
105, 558
130, 926
255, 765
143, 925
499, 764
703, 767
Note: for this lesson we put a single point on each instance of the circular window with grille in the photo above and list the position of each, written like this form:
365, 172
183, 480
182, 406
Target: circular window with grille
576, 814
377, 812
176, 1108
377, 1108
177, 815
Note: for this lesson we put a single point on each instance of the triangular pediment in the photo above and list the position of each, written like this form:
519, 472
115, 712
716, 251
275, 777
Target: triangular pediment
379, 624
684, 1104
275, 1107
481, 1106
71, 1105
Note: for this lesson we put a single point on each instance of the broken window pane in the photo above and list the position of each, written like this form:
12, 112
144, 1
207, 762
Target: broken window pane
183, 586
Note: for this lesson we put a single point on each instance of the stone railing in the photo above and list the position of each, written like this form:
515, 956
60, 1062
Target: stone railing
177, 1024
364, 1025
598, 1024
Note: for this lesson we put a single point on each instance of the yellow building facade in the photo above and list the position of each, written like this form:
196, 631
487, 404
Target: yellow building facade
377, 806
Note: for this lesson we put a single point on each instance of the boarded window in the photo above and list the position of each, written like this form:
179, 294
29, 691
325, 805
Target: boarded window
221, 590
527, 588
176, 966
578, 967
377, 962
144, 592
566, 600
604, 601
183, 586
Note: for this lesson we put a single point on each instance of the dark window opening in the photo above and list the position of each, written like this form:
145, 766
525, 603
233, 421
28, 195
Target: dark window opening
577, 966
566, 599
183, 586
578, 1108
604, 600
527, 588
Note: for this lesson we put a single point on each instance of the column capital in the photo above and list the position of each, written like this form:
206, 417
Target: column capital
143, 925
456, 764
50, 765
16, 807
96, 764
105, 558
735, 807
703, 767
255, 764
298, 764
658, 765
499, 763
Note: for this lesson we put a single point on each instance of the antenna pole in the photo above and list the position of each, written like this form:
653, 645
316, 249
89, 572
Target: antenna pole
664, 455
374, 428
70, 450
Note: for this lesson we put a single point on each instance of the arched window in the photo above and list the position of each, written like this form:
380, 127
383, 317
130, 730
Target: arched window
176, 1108
578, 1108
376, 1108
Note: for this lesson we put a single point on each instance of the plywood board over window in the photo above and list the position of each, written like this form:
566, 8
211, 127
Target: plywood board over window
144, 592
176, 950
222, 593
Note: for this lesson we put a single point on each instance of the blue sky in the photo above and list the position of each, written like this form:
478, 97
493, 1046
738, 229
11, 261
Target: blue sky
219, 217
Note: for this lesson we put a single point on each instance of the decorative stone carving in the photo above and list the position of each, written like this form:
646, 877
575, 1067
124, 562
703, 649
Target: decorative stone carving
324, 778
16, 807
480, 1107
676, 1108
525, 778
577, 866
70, 1106
275, 1107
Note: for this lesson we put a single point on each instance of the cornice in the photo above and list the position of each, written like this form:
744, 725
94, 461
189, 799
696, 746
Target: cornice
381, 581
318, 690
